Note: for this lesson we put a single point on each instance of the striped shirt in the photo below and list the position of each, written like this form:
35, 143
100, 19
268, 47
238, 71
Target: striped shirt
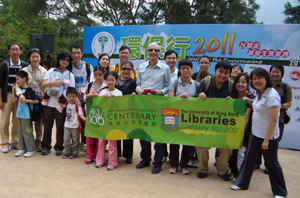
13, 69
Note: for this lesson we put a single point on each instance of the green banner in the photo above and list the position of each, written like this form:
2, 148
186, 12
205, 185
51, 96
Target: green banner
214, 122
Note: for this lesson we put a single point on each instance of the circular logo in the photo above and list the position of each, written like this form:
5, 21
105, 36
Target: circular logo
297, 97
295, 75
96, 116
103, 42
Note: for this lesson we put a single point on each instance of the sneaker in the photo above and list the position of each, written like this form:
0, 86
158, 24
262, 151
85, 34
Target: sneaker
83, 147
173, 170
195, 164
72, 156
39, 149
58, 153
88, 160
201, 175
19, 153
110, 168
5, 149
266, 171
98, 165
278, 196
45, 152
185, 171
190, 164
30, 154
235, 187
66, 155
226, 177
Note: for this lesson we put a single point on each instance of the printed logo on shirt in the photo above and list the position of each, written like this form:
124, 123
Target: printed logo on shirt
295, 75
96, 116
103, 42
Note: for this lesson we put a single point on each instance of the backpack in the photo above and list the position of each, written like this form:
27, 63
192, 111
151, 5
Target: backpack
54, 90
35, 109
81, 122
287, 116
208, 80
176, 84
88, 71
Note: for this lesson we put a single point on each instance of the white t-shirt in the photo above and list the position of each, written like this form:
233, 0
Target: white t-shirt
115, 92
80, 76
72, 117
69, 81
260, 116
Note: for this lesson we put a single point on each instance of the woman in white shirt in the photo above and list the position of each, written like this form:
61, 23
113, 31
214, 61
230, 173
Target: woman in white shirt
64, 62
265, 133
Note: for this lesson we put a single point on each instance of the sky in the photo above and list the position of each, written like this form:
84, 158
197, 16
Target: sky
271, 11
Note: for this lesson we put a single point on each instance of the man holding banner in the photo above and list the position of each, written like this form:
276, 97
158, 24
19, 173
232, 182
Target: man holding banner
153, 77
218, 86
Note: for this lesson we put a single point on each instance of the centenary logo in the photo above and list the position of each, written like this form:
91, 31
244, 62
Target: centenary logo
96, 116
295, 75
103, 42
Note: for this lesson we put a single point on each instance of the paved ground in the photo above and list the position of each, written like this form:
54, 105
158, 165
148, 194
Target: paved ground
52, 176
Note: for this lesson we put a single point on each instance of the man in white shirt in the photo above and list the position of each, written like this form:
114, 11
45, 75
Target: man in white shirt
153, 75
83, 73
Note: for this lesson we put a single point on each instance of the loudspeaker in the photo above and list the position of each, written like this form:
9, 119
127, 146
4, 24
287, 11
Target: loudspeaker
48, 46
36, 41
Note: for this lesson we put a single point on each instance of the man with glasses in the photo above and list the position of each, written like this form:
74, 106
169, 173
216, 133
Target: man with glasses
155, 76
8, 103
83, 73
124, 55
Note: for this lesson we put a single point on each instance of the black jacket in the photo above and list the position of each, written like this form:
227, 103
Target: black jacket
4, 78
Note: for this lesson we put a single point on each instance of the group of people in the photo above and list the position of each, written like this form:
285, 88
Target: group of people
65, 88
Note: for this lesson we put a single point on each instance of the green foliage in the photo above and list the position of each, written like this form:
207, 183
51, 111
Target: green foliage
292, 13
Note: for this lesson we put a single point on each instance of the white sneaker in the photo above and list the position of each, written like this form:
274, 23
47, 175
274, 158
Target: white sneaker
30, 154
5, 149
98, 166
19, 153
195, 164
110, 168
235, 187
278, 196
185, 171
173, 170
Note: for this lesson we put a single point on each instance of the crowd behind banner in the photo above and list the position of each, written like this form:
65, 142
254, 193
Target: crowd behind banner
35, 96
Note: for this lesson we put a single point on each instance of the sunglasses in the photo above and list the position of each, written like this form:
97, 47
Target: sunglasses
126, 69
151, 50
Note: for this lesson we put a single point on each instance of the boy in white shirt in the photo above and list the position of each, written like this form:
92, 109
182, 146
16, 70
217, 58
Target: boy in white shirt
72, 124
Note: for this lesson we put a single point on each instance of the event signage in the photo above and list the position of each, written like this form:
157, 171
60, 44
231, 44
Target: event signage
194, 121
249, 45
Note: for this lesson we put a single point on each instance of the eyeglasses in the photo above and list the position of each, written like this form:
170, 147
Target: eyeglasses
126, 69
151, 50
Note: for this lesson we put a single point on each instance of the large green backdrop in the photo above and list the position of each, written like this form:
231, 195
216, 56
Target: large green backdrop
194, 121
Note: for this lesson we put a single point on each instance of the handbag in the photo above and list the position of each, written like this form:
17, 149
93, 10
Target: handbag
287, 117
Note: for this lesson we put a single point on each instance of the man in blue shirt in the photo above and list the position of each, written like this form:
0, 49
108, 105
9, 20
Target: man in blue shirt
153, 75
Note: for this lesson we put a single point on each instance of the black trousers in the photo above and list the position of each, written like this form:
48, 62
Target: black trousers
50, 113
160, 150
127, 148
281, 128
174, 155
271, 162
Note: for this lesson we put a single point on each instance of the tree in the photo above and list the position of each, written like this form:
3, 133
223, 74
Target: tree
224, 11
292, 13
